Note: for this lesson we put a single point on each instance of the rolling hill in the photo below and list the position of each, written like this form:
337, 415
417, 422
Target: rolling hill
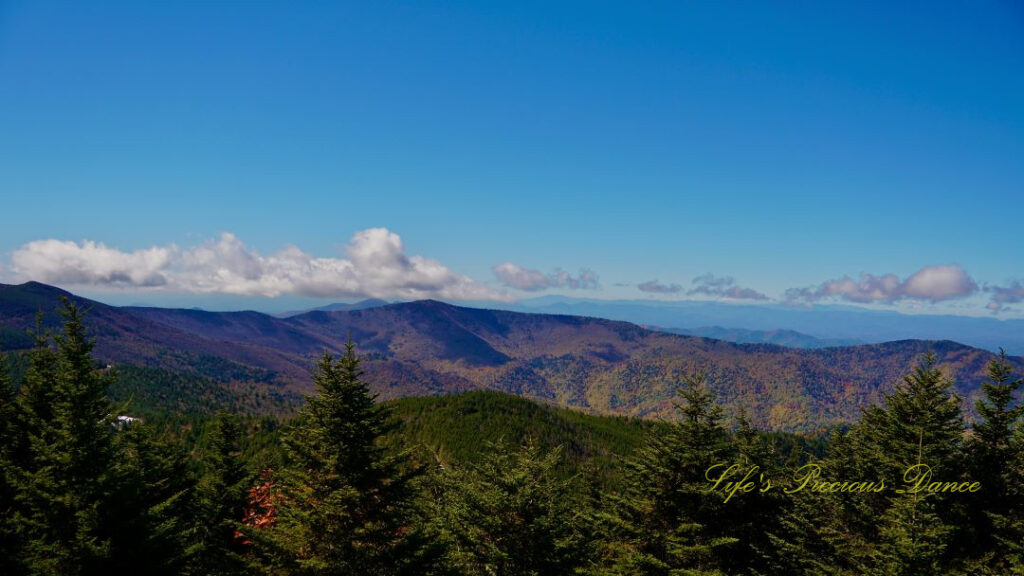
429, 348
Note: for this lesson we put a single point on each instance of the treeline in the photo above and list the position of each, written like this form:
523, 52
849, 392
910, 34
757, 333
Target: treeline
84, 492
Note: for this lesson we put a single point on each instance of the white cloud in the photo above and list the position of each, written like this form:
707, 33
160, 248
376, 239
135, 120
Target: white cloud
656, 287
91, 263
528, 280
723, 287
931, 283
1005, 295
376, 266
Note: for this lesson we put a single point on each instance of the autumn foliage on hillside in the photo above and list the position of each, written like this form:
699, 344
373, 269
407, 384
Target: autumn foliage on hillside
349, 492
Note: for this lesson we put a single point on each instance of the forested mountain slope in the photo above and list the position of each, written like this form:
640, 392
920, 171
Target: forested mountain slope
431, 348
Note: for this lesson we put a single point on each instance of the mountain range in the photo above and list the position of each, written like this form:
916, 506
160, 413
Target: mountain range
831, 322
429, 348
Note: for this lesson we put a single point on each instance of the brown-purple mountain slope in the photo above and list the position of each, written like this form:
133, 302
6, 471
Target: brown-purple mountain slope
429, 347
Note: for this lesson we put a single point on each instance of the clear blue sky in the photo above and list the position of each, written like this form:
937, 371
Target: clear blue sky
784, 144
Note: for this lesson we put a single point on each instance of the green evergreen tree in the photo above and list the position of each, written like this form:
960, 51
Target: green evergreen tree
36, 397
346, 504
10, 542
667, 522
222, 499
805, 539
919, 423
756, 514
65, 479
149, 514
1009, 527
994, 452
509, 515
913, 539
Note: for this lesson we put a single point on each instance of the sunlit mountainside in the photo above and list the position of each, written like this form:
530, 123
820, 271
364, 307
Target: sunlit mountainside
194, 359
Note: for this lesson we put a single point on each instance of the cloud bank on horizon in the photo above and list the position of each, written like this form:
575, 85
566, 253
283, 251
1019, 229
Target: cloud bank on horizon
376, 265
930, 284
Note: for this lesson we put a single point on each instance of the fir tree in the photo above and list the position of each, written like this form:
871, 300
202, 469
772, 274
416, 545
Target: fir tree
346, 504
913, 539
36, 396
509, 515
222, 499
996, 461
1009, 527
755, 514
64, 481
150, 510
667, 522
10, 542
919, 423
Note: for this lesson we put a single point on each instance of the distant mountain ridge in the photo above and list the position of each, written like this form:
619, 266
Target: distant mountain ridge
430, 348
788, 338
336, 306
819, 321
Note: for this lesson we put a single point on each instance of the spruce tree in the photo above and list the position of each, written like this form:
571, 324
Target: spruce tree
996, 458
913, 539
919, 423
222, 498
10, 542
150, 511
667, 521
1009, 527
755, 514
65, 478
509, 515
36, 396
346, 503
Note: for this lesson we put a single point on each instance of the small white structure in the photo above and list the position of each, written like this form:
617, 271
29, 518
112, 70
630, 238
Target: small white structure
124, 421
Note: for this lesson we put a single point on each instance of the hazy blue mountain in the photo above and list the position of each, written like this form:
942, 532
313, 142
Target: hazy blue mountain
827, 322
788, 338
338, 306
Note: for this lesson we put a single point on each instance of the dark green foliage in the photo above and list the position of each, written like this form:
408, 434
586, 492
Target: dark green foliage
920, 422
160, 391
996, 455
667, 522
14, 339
510, 515
149, 518
91, 495
10, 553
65, 480
1009, 527
346, 503
912, 540
222, 497
886, 532
756, 514
457, 428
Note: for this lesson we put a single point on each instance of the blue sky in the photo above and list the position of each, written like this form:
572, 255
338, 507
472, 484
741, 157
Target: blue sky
590, 147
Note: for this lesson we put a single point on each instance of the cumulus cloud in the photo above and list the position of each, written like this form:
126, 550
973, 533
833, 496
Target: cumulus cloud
376, 265
658, 288
91, 263
931, 283
1002, 296
528, 280
722, 287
